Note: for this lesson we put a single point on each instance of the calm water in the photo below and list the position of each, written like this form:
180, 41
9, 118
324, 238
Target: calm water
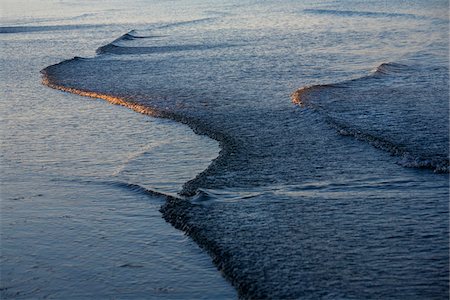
332, 117
72, 226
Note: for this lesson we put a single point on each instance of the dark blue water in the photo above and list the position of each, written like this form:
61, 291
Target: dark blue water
344, 196
400, 108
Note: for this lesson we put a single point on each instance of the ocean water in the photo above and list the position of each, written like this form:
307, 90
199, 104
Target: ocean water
80, 177
332, 121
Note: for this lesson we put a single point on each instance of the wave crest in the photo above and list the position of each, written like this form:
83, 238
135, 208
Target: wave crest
389, 68
348, 116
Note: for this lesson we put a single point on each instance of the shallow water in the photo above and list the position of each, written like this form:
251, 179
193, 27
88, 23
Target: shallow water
76, 219
298, 205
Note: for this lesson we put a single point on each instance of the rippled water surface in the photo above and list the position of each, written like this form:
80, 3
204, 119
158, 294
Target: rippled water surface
76, 219
332, 118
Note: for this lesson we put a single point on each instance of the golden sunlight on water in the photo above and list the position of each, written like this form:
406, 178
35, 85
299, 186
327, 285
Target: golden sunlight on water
111, 99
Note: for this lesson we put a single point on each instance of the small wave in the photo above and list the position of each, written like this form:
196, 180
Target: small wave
390, 68
355, 13
47, 80
407, 159
305, 96
438, 165
136, 188
21, 29
142, 190
227, 143
184, 23
130, 37
121, 50
205, 196
299, 96
27, 21
133, 35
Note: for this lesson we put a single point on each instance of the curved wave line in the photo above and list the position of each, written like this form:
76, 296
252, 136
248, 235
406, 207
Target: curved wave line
409, 160
227, 144
175, 210
298, 96
111, 99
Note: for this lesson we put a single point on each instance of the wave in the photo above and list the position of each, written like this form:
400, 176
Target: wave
129, 36
184, 23
269, 153
355, 13
390, 68
315, 97
136, 188
142, 190
133, 35
121, 50
178, 213
205, 196
227, 144
300, 97
114, 48
21, 29
26, 21
48, 81
275, 145
407, 158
